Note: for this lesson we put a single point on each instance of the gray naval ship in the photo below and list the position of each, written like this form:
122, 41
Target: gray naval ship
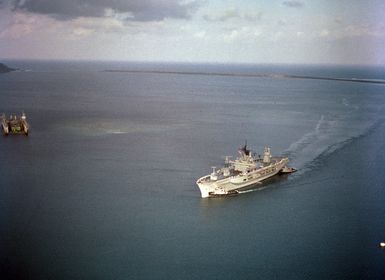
245, 171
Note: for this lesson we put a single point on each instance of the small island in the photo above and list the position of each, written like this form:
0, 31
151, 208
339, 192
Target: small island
5, 69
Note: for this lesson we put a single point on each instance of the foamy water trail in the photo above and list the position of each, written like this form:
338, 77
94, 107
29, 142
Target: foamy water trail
346, 103
253, 190
118, 131
307, 139
329, 134
319, 123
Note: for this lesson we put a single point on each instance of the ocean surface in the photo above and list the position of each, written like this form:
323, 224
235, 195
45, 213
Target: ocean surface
104, 185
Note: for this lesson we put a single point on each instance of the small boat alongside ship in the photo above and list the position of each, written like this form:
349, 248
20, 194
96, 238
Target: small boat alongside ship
14, 124
287, 170
245, 171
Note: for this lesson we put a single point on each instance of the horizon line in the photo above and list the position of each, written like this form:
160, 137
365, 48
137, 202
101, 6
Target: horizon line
190, 62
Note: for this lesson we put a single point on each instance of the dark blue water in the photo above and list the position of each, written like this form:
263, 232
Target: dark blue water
104, 185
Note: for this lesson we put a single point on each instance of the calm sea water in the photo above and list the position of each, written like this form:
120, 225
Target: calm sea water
104, 185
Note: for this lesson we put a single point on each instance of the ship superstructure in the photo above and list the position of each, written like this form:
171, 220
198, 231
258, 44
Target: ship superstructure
14, 124
245, 171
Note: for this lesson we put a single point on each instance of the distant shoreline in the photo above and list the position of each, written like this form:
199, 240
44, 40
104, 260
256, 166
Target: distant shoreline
253, 75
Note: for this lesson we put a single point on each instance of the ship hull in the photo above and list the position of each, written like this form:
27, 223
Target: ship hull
230, 184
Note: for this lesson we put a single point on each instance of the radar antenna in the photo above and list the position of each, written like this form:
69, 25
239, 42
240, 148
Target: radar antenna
244, 149
227, 160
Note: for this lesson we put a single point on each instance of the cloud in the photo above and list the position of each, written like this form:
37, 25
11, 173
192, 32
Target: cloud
231, 36
223, 16
20, 25
293, 4
253, 16
338, 21
200, 34
324, 33
231, 14
243, 34
133, 10
82, 31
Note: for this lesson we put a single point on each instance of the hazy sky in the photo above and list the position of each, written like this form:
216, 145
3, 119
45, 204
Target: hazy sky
281, 31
